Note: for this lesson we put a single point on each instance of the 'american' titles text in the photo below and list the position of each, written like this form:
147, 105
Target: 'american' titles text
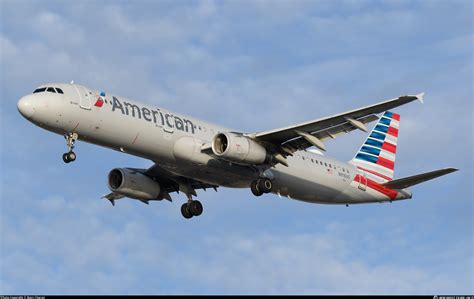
155, 116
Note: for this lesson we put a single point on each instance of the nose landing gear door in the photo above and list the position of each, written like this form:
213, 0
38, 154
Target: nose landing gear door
85, 97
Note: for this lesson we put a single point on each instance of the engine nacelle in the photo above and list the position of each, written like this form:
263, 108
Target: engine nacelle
238, 149
133, 184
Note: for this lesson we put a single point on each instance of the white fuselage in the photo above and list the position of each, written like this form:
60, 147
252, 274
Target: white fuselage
174, 142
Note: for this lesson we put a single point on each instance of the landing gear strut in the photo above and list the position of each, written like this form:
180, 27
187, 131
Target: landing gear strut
260, 186
191, 208
70, 140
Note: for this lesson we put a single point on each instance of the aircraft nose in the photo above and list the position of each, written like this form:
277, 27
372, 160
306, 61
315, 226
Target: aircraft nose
25, 106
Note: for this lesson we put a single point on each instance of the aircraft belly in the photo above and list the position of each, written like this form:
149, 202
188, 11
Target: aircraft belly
298, 181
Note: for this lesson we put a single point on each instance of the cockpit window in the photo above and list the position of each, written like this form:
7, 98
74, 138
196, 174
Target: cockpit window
49, 89
39, 90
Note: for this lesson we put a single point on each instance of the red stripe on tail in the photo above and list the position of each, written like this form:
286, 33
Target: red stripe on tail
393, 131
385, 163
389, 147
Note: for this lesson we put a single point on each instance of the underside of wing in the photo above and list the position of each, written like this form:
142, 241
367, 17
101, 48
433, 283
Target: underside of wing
171, 182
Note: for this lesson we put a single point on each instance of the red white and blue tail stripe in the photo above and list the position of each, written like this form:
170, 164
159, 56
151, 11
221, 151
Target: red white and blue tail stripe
376, 157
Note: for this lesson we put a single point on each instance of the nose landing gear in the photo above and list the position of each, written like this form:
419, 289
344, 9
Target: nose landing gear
70, 140
261, 186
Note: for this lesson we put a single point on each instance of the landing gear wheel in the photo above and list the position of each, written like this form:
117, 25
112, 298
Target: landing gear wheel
265, 185
254, 187
66, 158
71, 156
195, 207
185, 211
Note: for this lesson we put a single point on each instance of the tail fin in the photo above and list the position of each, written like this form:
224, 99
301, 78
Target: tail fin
377, 155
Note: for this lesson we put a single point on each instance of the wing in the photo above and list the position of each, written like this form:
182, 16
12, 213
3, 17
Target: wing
313, 133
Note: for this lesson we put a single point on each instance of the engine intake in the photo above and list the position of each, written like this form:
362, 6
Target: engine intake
133, 184
239, 149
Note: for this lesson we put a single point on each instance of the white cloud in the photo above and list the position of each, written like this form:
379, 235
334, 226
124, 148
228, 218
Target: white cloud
73, 247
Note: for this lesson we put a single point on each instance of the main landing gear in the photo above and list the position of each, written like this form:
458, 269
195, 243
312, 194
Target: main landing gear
191, 208
70, 140
261, 186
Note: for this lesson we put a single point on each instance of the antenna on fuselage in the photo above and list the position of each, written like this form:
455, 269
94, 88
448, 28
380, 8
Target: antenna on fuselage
72, 81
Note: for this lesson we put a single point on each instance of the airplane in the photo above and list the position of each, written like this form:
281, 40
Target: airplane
191, 154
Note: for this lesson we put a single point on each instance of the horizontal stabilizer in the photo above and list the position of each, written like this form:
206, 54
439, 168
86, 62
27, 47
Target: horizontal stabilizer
418, 178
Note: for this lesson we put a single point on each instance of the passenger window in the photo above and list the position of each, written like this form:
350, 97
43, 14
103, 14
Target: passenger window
40, 90
50, 89
312, 160
59, 90
330, 166
325, 164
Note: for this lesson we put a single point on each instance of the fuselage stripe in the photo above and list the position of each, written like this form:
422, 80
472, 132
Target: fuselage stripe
392, 194
375, 173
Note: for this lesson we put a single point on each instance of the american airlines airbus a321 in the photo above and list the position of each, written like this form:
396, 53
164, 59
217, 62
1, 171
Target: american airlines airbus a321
191, 154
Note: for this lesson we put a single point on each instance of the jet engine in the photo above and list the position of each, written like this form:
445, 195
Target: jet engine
239, 149
133, 184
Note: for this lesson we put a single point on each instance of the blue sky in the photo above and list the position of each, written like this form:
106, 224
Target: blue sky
251, 65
